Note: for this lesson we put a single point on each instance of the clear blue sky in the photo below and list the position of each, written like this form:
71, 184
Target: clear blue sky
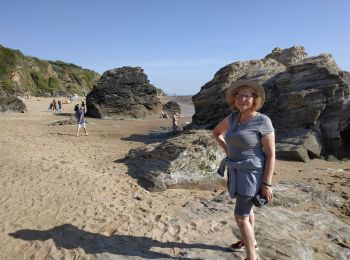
180, 44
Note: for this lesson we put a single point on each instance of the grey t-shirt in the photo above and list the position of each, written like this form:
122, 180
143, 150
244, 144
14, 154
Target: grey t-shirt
244, 143
244, 140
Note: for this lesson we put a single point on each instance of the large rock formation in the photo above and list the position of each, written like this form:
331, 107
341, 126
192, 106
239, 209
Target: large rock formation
9, 103
306, 98
123, 93
311, 96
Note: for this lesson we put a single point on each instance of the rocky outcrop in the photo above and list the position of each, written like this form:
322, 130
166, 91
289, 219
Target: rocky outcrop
9, 103
123, 93
306, 98
187, 160
311, 96
289, 56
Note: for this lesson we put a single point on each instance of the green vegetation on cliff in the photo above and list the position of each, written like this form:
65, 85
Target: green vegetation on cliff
23, 74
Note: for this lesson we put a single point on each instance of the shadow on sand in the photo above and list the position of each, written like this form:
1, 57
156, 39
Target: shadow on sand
70, 237
150, 138
63, 114
64, 134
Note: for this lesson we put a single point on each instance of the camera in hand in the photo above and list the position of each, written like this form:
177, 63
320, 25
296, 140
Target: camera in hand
259, 201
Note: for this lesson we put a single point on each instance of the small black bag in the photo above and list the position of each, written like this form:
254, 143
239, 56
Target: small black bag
259, 200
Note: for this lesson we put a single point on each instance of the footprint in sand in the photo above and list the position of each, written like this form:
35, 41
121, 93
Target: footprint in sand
217, 226
193, 225
157, 218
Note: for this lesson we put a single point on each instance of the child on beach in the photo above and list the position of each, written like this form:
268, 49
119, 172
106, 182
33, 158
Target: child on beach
175, 122
79, 114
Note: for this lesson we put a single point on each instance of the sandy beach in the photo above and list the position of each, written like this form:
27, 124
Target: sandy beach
53, 182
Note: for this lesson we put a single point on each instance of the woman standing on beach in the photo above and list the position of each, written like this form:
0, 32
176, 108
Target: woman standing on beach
248, 140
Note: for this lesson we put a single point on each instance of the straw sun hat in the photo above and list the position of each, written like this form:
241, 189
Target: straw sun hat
258, 89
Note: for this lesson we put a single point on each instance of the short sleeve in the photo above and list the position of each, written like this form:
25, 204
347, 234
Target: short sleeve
266, 126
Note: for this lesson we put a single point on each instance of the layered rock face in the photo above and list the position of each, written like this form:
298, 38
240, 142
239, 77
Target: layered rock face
9, 103
310, 107
306, 98
123, 93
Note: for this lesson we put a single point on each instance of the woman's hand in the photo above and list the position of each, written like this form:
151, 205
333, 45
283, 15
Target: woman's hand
266, 192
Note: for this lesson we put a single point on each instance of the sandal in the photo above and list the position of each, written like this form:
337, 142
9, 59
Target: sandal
239, 247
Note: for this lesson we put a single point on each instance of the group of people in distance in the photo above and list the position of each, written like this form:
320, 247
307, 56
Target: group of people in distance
80, 111
55, 106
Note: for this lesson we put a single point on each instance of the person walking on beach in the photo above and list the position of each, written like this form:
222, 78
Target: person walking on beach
175, 121
79, 114
248, 140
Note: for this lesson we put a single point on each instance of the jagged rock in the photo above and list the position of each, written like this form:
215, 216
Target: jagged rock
288, 56
311, 94
187, 160
123, 93
9, 103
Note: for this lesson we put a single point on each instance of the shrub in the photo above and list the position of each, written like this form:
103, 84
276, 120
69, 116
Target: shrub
7, 60
42, 85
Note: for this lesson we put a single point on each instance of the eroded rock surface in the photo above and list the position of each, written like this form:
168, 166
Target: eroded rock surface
123, 93
312, 95
288, 56
187, 160
283, 230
